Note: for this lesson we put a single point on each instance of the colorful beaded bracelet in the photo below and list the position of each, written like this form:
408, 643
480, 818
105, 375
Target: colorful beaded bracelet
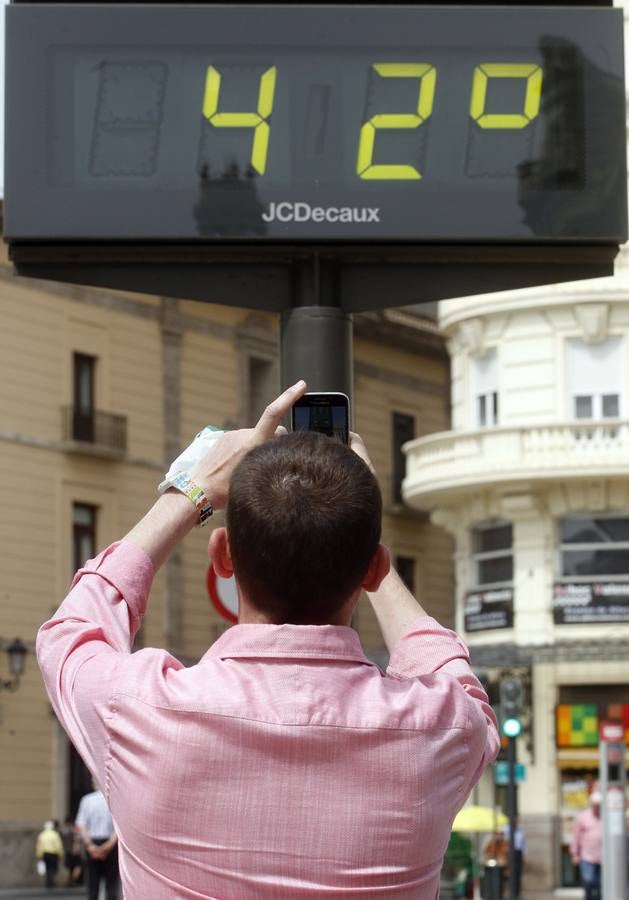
196, 495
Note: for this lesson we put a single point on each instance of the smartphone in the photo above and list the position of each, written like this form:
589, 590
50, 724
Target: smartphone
326, 412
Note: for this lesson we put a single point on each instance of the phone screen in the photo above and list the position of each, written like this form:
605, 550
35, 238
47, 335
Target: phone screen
327, 413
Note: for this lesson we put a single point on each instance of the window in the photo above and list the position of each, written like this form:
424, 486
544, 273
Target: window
493, 553
83, 412
591, 548
594, 378
485, 389
403, 431
83, 534
405, 566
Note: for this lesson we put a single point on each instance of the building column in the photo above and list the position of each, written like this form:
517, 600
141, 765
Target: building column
533, 572
452, 521
533, 554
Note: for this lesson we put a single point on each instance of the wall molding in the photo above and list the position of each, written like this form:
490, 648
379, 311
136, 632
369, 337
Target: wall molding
28, 440
390, 376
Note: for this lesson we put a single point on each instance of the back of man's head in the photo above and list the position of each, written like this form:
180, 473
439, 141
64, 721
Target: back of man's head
303, 518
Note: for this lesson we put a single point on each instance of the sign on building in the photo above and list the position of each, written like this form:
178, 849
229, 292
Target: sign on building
581, 724
487, 610
575, 603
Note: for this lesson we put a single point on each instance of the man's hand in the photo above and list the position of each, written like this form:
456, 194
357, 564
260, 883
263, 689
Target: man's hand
173, 515
215, 470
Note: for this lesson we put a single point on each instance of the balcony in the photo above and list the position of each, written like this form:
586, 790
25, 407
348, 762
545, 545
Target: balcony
94, 432
442, 467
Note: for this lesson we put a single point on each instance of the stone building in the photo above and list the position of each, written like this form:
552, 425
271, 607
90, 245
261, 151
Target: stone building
98, 392
532, 483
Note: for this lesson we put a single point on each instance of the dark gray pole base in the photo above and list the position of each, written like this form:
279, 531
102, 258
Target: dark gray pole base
316, 345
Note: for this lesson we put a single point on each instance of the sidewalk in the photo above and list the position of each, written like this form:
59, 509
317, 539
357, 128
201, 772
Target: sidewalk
33, 893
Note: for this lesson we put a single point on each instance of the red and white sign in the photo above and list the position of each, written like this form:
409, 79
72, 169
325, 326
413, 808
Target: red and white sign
222, 594
613, 732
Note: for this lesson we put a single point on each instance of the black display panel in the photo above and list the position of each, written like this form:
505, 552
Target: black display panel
275, 123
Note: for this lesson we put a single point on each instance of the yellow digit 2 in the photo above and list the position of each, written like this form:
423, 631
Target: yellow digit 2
427, 75
255, 120
532, 98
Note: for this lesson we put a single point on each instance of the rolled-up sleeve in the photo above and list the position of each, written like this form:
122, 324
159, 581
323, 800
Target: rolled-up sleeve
83, 647
429, 649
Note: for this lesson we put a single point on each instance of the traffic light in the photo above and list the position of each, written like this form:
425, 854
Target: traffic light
511, 707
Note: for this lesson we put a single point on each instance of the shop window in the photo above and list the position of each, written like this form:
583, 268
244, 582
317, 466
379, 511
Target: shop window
405, 567
581, 709
484, 376
493, 554
403, 427
594, 378
591, 548
83, 534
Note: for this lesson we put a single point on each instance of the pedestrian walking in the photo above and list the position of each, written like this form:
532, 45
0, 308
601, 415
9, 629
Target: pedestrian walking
519, 846
284, 763
72, 852
95, 826
496, 859
49, 850
585, 846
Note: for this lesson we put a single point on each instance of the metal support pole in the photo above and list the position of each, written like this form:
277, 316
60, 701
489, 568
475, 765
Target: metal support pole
512, 813
316, 334
316, 345
612, 786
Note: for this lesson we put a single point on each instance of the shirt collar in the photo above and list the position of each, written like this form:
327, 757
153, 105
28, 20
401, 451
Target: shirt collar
338, 642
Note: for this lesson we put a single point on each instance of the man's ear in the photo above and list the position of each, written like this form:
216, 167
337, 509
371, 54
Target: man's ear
219, 553
378, 568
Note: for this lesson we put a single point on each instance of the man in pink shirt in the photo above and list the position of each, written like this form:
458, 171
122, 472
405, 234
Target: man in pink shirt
284, 764
585, 847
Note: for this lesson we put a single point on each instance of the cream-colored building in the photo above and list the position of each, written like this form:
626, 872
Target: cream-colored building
98, 390
532, 483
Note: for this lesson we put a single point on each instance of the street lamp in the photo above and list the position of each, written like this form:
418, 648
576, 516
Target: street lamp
16, 652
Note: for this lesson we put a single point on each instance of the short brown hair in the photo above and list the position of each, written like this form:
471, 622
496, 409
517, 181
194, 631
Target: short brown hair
303, 518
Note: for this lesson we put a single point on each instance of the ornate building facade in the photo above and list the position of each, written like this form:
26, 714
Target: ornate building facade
532, 483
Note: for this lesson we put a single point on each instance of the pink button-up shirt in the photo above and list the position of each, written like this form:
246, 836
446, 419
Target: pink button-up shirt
284, 764
586, 836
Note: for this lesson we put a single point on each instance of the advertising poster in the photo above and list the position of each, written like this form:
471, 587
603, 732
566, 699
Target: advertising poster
488, 610
575, 603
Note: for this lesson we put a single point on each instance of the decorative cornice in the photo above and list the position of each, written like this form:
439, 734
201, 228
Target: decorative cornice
410, 382
610, 289
28, 440
509, 654
593, 319
401, 330
396, 328
471, 335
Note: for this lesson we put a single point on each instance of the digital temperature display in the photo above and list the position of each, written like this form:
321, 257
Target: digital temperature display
233, 123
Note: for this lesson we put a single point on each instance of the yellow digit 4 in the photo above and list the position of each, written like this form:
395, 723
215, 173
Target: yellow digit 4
255, 120
532, 98
427, 75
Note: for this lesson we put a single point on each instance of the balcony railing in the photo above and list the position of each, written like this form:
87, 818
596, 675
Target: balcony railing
459, 460
94, 430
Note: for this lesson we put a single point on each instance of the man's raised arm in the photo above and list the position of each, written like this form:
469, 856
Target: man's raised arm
419, 646
83, 647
